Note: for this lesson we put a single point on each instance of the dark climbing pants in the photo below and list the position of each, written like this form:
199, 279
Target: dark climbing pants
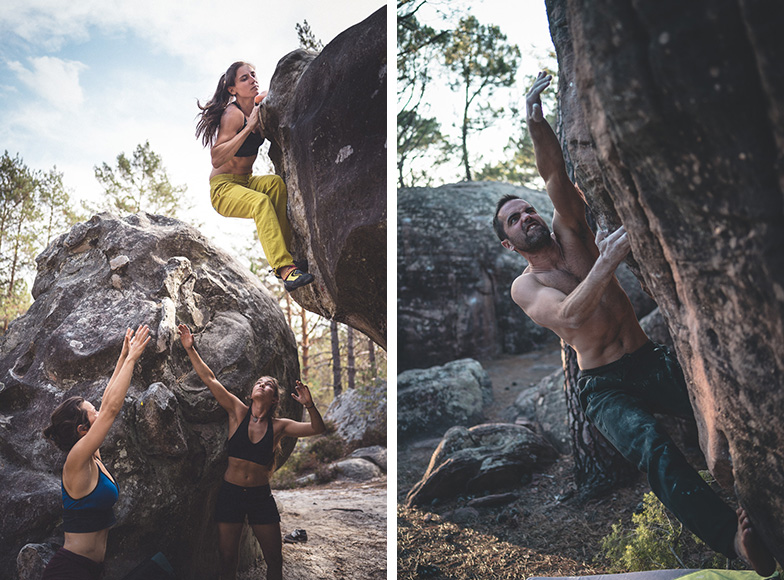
620, 399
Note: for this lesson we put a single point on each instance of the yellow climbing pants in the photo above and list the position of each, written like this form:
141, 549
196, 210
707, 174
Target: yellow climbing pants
262, 198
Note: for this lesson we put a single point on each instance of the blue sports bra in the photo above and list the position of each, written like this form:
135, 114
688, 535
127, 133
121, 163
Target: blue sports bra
250, 146
240, 445
94, 511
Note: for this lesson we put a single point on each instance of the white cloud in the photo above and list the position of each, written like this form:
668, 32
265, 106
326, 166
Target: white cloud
52, 79
200, 31
47, 24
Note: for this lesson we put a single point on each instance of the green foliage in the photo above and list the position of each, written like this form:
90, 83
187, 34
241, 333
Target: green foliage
140, 183
34, 209
14, 304
375, 436
57, 213
418, 136
417, 48
327, 448
417, 133
656, 542
307, 39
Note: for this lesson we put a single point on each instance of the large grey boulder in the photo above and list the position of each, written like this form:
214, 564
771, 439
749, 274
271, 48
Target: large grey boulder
485, 458
360, 414
430, 401
326, 117
375, 454
167, 447
544, 407
356, 469
454, 276
672, 115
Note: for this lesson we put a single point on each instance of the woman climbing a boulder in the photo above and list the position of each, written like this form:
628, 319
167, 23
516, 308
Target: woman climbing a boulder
229, 124
254, 434
89, 491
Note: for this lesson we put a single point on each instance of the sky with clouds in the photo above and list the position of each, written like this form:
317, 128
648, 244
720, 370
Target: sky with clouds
82, 82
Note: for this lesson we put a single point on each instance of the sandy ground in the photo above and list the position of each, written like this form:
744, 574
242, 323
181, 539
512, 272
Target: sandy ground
347, 532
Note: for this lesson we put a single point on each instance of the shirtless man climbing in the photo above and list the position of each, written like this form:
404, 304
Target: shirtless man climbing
569, 287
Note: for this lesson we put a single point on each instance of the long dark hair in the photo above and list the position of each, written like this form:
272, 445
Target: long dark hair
66, 420
212, 111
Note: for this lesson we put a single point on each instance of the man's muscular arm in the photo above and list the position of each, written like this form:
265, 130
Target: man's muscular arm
561, 313
567, 199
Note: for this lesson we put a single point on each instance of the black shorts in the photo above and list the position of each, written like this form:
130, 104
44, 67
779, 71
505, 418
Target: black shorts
234, 502
66, 565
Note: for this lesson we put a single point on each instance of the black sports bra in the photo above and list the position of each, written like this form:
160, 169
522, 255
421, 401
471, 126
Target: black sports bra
240, 445
250, 146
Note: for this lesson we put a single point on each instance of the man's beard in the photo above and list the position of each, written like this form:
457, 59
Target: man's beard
537, 239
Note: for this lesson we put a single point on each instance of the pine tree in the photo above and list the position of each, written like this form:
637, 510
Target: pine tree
481, 61
140, 183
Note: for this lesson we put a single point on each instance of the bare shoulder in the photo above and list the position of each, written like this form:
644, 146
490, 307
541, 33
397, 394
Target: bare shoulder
524, 288
539, 298
232, 117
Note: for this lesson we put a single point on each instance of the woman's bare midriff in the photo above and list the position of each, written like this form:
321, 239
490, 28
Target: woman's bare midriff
90, 545
246, 473
237, 166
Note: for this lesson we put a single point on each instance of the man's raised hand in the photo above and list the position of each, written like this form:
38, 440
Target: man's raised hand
614, 246
533, 102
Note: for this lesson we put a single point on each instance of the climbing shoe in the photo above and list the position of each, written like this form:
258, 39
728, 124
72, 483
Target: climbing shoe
296, 278
296, 537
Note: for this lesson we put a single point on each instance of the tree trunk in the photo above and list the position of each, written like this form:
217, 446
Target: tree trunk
305, 346
351, 369
465, 135
15, 261
337, 385
372, 360
598, 467
288, 308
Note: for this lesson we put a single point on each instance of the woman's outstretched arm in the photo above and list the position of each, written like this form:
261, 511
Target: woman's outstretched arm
111, 404
225, 399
